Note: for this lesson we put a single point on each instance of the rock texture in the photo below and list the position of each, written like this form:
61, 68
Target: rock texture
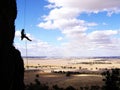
11, 62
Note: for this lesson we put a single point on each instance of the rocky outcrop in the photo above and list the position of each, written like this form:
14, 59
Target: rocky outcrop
12, 66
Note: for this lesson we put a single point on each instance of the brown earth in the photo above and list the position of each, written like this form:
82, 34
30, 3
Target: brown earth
61, 80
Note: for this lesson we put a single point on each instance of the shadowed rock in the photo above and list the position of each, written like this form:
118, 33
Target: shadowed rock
12, 67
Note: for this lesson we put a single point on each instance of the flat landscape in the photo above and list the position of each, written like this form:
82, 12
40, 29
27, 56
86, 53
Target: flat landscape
52, 71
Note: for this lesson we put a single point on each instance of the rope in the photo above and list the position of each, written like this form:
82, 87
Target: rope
24, 24
26, 54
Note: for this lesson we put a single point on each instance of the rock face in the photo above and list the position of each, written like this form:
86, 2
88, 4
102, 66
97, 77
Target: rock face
11, 62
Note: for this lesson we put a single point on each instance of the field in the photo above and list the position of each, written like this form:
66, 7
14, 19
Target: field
62, 81
53, 71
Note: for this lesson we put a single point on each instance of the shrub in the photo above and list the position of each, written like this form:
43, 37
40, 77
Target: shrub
112, 79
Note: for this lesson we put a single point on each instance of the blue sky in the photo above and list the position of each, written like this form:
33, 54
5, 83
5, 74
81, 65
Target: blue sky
69, 27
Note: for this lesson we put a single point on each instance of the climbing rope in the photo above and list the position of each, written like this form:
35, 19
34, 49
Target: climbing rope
24, 24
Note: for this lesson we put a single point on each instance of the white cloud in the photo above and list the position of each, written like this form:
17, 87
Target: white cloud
102, 37
94, 6
104, 24
63, 16
17, 34
37, 48
95, 43
64, 12
59, 38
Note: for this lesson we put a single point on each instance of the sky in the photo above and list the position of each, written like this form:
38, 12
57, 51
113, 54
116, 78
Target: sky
68, 27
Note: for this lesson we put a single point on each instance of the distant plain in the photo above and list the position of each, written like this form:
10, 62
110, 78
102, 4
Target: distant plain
89, 69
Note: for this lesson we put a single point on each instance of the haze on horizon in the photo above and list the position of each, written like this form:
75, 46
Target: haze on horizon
69, 27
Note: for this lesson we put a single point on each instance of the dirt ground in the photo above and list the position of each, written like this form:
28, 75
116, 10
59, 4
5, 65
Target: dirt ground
61, 80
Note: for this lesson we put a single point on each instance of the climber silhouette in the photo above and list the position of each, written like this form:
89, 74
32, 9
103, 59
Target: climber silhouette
23, 35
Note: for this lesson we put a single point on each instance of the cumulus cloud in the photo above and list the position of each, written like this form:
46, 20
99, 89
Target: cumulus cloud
88, 6
17, 34
64, 13
37, 48
59, 38
63, 16
94, 44
102, 36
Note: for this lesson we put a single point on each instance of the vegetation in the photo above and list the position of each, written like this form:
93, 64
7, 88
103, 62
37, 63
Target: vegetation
111, 82
37, 85
112, 79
